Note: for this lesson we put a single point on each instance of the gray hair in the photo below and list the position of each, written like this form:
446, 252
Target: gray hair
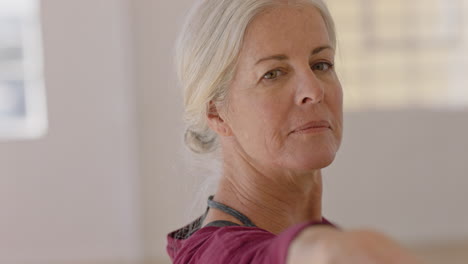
206, 53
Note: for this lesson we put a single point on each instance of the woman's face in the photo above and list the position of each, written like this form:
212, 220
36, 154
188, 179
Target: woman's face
284, 108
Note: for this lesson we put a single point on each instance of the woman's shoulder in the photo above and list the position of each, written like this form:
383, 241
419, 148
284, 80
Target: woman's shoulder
224, 242
193, 238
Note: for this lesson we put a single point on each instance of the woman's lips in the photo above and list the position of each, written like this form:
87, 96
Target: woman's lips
313, 127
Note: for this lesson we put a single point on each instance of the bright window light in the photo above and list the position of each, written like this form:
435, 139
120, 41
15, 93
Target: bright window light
22, 98
395, 54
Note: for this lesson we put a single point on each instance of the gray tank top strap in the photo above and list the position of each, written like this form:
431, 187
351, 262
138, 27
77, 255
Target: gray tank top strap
238, 215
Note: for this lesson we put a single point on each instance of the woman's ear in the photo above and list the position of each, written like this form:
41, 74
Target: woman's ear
216, 122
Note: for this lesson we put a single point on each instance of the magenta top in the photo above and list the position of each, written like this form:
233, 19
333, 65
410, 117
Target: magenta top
223, 242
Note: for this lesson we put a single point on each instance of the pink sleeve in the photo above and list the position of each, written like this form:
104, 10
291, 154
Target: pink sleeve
237, 245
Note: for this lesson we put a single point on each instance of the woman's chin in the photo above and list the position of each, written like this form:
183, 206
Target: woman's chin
311, 161
312, 153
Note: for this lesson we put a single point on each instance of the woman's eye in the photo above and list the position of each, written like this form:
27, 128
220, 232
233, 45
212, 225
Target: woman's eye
271, 75
322, 66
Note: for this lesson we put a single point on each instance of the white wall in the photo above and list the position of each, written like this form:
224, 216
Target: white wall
71, 197
164, 180
402, 172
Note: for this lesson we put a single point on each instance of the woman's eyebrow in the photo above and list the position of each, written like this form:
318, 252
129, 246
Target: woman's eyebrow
273, 57
320, 49
281, 57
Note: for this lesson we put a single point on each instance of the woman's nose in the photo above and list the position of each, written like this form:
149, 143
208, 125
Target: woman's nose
310, 89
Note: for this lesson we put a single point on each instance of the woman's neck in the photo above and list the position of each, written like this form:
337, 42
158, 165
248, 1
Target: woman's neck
273, 201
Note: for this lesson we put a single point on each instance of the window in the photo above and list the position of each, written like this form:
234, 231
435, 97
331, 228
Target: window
22, 98
401, 54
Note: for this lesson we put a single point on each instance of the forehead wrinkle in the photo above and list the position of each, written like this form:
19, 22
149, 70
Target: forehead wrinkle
259, 40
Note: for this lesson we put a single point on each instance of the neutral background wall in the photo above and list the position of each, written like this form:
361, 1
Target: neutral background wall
165, 192
112, 176
73, 195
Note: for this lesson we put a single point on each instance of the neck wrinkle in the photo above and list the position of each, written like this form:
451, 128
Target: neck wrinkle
272, 202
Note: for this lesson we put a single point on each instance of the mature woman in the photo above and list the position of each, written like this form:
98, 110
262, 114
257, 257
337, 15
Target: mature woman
259, 83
